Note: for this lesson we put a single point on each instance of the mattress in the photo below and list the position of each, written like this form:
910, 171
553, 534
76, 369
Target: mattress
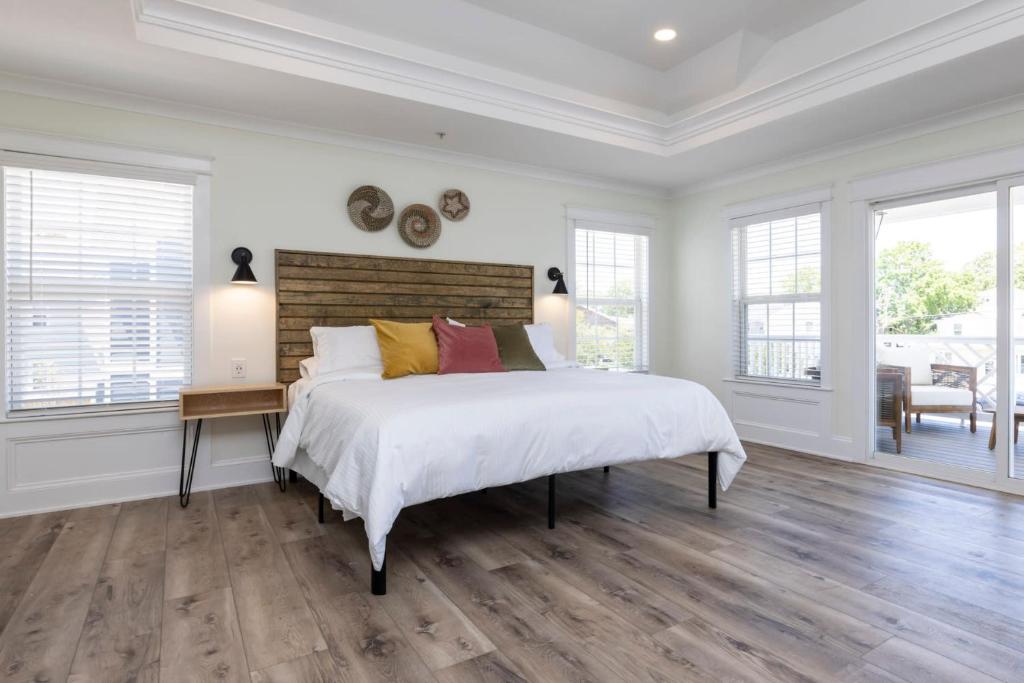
375, 446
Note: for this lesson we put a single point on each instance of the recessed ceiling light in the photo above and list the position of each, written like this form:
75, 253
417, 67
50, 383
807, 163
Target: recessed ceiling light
665, 34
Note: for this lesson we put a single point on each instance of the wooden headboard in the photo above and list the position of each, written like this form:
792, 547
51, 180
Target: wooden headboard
315, 289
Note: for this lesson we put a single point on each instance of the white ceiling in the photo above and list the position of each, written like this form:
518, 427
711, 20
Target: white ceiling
625, 27
559, 106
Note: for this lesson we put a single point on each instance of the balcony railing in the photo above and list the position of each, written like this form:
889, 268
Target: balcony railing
978, 352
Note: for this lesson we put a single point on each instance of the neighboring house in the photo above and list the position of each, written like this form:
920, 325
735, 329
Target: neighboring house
981, 322
592, 317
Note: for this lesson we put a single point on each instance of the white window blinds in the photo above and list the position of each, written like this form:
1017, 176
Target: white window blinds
777, 295
612, 300
98, 289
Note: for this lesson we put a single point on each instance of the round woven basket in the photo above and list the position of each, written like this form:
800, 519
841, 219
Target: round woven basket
370, 208
419, 225
454, 204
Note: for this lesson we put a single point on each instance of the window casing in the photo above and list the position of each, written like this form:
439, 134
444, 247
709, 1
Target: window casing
777, 303
611, 292
98, 287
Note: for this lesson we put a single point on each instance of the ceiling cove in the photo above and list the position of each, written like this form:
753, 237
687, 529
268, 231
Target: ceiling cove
281, 39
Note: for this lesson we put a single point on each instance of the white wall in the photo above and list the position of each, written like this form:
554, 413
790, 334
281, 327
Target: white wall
828, 422
272, 192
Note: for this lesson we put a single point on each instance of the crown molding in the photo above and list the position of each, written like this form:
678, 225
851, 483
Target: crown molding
937, 124
356, 59
981, 25
289, 42
136, 104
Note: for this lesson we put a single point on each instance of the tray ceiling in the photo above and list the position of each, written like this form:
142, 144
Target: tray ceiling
810, 74
624, 27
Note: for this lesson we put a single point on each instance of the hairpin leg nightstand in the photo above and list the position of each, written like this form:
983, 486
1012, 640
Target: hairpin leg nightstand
204, 403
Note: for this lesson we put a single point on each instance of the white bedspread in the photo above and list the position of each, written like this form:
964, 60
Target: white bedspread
376, 446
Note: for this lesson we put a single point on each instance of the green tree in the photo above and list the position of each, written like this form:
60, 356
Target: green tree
983, 269
913, 289
806, 280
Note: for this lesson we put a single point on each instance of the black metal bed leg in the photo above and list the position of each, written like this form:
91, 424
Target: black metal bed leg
712, 479
320, 508
379, 578
551, 501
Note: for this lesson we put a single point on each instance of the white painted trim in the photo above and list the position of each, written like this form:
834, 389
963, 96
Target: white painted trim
777, 207
776, 384
611, 221
788, 202
924, 182
960, 171
107, 500
222, 118
815, 452
290, 42
608, 217
70, 149
936, 124
46, 151
293, 43
218, 117
942, 39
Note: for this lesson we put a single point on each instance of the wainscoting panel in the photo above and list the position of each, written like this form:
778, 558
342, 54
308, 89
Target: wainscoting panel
796, 418
70, 458
51, 464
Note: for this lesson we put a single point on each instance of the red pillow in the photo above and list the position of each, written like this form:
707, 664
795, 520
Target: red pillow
465, 349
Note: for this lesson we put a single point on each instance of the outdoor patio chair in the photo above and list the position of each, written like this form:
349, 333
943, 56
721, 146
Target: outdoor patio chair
889, 389
932, 387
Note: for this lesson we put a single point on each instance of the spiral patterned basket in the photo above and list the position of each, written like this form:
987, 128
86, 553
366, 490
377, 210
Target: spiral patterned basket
370, 208
419, 225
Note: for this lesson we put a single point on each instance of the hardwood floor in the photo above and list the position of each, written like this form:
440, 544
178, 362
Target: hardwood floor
809, 570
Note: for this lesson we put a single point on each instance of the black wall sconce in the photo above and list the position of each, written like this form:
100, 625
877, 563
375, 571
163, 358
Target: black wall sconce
558, 277
243, 274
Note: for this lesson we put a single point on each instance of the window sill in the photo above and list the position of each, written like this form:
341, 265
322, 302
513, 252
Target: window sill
42, 416
777, 384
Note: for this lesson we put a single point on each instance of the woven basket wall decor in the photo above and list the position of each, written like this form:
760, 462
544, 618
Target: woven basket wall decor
454, 205
370, 208
419, 225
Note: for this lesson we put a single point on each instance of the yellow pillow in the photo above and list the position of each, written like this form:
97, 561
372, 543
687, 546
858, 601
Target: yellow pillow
406, 348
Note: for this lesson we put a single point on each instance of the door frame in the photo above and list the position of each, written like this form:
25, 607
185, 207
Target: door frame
999, 170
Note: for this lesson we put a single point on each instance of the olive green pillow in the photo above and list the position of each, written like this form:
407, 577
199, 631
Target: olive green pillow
515, 349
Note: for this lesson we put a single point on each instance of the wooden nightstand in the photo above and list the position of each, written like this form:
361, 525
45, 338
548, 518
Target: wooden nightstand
204, 403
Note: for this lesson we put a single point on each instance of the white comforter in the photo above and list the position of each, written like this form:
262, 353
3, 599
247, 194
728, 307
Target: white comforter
374, 446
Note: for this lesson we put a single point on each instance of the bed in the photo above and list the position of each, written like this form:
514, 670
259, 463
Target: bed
373, 447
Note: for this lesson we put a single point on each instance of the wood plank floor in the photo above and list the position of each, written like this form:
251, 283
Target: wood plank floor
809, 570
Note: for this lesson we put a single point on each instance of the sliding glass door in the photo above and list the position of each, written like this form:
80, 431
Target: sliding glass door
1013, 191
948, 336
936, 323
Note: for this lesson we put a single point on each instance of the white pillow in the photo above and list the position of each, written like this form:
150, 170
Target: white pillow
542, 339
341, 349
913, 357
455, 322
308, 367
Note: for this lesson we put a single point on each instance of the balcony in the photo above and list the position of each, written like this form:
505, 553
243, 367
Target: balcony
947, 438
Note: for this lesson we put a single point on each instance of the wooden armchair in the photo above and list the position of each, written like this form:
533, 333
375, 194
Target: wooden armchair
889, 390
953, 389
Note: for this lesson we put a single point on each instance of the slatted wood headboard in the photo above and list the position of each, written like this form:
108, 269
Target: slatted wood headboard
315, 288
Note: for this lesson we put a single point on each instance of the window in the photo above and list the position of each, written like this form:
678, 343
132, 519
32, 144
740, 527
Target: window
98, 289
611, 290
778, 284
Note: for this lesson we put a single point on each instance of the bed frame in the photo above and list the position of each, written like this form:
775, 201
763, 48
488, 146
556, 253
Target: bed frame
324, 289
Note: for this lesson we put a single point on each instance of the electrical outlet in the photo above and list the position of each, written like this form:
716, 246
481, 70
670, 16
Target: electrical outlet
237, 368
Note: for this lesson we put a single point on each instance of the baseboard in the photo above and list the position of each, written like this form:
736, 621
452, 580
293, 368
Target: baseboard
127, 499
789, 447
